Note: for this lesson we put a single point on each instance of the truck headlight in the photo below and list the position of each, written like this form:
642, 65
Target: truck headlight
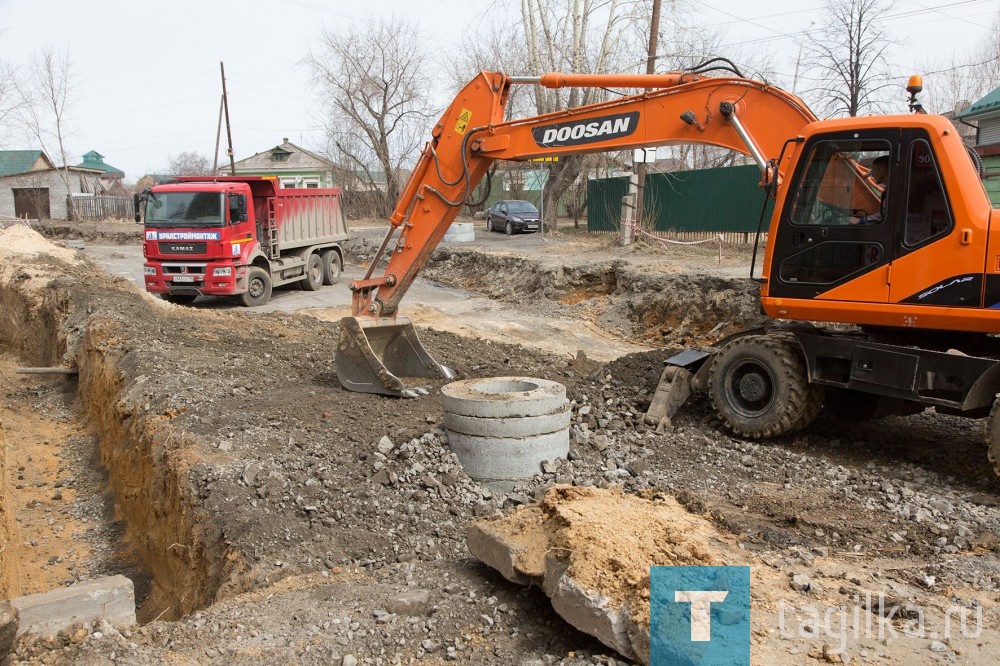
149, 270
224, 271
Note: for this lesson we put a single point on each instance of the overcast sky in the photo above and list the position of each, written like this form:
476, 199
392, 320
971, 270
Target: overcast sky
147, 74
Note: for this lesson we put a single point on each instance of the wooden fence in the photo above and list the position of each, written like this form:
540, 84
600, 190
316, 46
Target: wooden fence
101, 207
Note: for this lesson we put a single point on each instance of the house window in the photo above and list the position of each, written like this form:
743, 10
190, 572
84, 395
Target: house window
279, 156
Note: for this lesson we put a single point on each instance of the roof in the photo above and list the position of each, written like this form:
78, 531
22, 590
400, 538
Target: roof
986, 105
298, 159
94, 160
21, 161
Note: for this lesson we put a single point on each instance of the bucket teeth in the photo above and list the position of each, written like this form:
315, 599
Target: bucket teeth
374, 355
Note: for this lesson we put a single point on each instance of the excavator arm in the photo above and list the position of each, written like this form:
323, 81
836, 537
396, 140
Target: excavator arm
376, 347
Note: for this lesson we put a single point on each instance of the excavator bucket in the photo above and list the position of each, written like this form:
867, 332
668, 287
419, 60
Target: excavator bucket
373, 356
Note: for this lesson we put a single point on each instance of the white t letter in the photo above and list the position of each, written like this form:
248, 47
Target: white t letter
701, 610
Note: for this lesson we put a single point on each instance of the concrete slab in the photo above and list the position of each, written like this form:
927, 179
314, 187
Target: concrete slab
111, 598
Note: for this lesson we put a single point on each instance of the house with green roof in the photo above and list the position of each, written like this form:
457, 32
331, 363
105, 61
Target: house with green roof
292, 166
23, 161
985, 113
31, 186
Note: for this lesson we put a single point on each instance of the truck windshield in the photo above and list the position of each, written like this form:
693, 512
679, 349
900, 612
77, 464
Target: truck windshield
185, 209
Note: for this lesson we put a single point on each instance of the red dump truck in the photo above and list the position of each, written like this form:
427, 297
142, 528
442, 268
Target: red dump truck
238, 236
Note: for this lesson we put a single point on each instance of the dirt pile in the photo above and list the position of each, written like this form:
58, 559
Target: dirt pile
606, 540
591, 550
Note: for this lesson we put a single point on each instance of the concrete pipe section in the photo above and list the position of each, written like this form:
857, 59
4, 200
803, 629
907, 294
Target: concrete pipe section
502, 428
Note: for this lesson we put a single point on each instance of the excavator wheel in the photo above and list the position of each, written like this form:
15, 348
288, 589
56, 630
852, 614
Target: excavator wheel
993, 436
759, 387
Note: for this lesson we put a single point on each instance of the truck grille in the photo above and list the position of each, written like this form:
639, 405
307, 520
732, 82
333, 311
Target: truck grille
183, 248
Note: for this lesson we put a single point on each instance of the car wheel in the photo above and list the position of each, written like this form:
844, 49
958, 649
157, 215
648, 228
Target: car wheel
331, 267
759, 387
489, 223
509, 228
258, 288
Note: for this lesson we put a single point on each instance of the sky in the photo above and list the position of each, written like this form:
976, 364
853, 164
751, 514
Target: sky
147, 82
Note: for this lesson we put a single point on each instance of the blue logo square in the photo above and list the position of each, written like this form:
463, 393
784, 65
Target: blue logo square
699, 616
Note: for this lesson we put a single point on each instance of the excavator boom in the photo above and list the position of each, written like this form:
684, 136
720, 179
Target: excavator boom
472, 134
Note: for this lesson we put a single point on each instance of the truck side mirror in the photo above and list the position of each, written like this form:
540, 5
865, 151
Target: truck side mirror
136, 205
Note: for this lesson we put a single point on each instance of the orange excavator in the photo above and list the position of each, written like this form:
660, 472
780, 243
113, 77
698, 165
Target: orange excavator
883, 297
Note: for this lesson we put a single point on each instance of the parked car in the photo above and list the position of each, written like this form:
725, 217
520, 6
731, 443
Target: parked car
513, 215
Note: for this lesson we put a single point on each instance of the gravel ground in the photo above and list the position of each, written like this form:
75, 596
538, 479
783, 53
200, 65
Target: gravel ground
346, 513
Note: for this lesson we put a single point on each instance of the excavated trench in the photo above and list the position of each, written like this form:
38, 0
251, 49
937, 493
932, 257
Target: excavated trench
50, 318
217, 486
640, 304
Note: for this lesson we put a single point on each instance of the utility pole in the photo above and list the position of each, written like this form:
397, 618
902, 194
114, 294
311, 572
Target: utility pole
229, 133
218, 137
640, 169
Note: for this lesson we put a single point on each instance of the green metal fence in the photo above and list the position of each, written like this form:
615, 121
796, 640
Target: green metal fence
685, 204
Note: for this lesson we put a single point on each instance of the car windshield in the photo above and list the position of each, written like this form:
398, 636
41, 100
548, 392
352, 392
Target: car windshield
521, 207
185, 209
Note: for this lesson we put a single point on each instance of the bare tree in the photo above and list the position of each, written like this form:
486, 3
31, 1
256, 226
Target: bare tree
8, 97
376, 95
42, 103
189, 163
578, 36
845, 56
953, 85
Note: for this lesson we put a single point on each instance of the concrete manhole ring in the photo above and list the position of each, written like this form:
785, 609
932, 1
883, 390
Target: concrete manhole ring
503, 428
502, 397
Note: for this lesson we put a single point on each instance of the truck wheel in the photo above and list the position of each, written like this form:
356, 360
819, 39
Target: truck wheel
331, 267
759, 387
258, 288
993, 436
179, 299
314, 273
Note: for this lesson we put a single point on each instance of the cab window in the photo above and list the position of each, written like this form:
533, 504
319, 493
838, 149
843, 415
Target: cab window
838, 187
927, 213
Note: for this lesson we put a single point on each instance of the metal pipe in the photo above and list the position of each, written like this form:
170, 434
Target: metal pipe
728, 110
46, 371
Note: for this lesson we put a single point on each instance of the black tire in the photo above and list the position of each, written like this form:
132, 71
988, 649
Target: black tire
489, 223
179, 299
331, 267
258, 288
314, 273
508, 228
993, 436
759, 387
